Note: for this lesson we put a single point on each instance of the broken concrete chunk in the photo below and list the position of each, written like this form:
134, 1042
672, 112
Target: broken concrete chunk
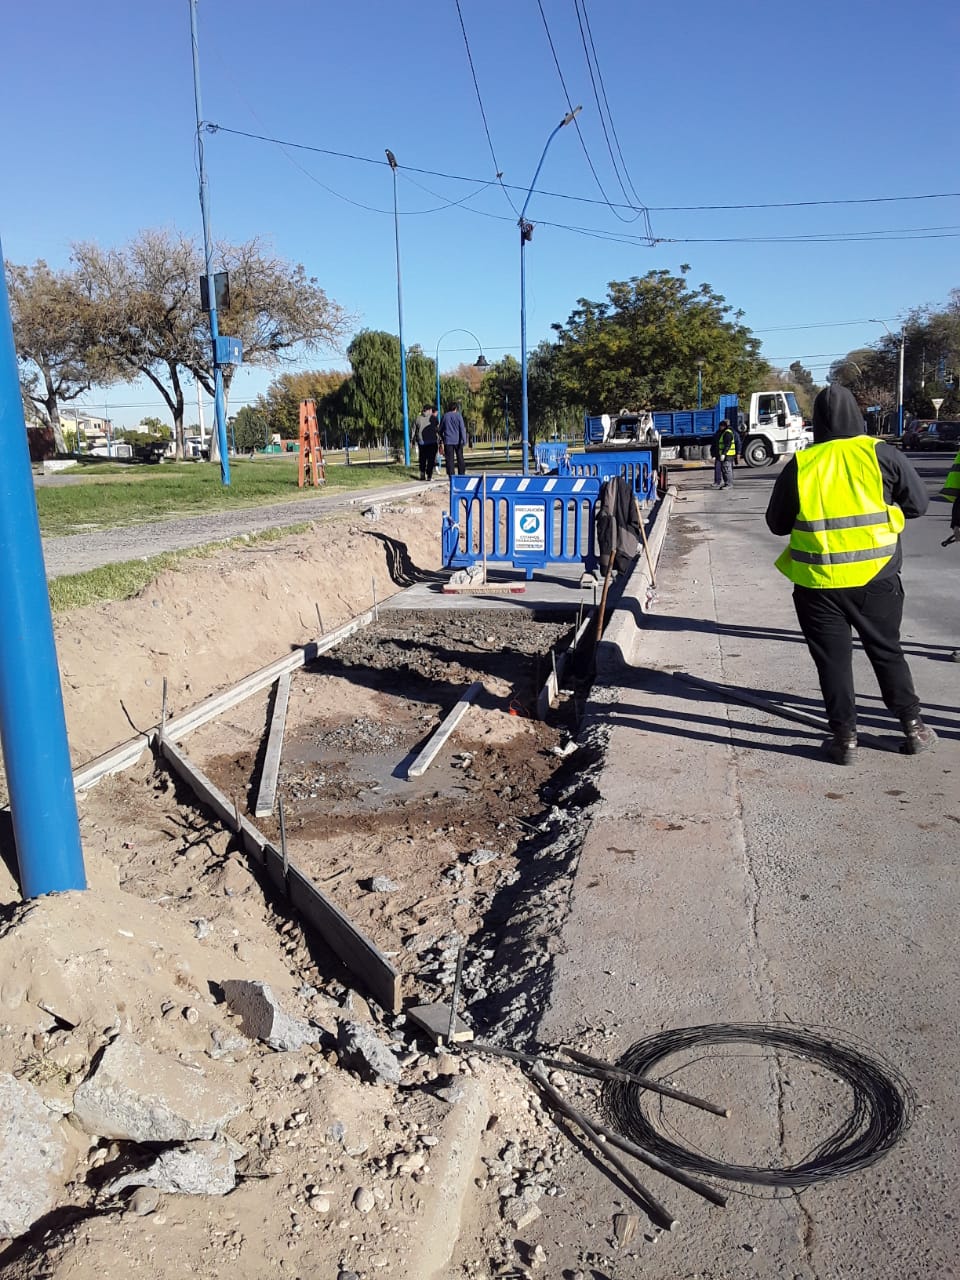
383, 884
32, 1156
261, 1017
481, 856
360, 1049
195, 1169
134, 1093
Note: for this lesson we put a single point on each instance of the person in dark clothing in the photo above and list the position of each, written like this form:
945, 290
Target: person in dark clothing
426, 435
725, 450
951, 491
843, 502
453, 436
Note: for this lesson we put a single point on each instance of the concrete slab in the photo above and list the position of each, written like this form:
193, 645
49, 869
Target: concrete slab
556, 590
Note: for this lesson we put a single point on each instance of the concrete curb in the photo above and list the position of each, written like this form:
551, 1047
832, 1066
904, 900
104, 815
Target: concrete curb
620, 643
452, 1169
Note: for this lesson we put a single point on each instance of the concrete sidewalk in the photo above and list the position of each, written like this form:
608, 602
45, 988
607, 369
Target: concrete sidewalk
733, 875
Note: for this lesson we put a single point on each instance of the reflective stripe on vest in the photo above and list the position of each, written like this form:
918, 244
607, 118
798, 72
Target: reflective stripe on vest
951, 486
851, 547
728, 445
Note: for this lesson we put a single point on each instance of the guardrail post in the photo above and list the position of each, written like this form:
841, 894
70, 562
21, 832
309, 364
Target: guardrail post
33, 729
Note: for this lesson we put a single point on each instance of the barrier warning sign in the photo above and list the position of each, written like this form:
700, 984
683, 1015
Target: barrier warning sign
528, 528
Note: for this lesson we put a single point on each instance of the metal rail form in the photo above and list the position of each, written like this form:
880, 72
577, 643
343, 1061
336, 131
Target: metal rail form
527, 522
634, 465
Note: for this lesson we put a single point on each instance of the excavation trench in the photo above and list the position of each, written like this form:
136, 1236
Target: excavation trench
475, 850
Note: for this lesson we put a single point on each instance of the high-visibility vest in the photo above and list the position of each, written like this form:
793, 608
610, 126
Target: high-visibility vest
727, 445
844, 532
951, 486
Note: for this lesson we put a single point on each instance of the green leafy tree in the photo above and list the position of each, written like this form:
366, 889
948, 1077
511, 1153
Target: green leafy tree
371, 399
500, 397
154, 427
251, 428
640, 347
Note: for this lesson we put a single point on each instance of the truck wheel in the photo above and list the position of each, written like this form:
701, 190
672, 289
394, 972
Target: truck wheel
756, 454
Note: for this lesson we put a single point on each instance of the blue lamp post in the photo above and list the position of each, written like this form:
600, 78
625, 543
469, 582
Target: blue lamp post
215, 340
392, 162
481, 362
33, 729
700, 383
526, 233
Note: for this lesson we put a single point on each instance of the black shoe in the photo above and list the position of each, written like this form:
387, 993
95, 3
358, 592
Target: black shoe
841, 749
955, 656
917, 737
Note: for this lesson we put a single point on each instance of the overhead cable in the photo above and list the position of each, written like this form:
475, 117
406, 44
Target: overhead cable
581, 20
637, 213
564, 195
483, 114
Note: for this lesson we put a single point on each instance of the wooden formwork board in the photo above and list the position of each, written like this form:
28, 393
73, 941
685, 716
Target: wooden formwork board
449, 723
129, 752
267, 793
364, 960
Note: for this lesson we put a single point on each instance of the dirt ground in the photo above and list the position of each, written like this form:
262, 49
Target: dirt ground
337, 1176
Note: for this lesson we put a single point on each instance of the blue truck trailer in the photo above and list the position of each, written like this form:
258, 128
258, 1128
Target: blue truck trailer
770, 427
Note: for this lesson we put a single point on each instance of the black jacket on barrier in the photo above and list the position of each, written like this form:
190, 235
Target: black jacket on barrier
618, 528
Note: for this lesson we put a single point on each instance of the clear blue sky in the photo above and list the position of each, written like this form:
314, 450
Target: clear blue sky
743, 103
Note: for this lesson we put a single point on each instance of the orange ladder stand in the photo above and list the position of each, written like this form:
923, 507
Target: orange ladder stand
311, 455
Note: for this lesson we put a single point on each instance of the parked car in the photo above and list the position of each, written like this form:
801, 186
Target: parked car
928, 434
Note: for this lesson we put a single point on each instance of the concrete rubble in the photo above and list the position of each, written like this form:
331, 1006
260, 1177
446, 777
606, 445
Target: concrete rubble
261, 1017
33, 1153
193, 1169
138, 1095
360, 1049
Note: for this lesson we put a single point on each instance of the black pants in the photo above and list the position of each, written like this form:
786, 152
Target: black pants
828, 620
427, 458
453, 453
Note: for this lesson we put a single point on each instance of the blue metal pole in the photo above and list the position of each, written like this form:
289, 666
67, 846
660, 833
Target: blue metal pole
699, 387
526, 231
33, 728
392, 161
218, 403
437, 406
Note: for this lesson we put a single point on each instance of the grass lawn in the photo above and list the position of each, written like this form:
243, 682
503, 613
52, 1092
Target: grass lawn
107, 495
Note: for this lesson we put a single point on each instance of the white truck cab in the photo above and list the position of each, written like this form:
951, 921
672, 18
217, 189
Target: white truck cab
772, 427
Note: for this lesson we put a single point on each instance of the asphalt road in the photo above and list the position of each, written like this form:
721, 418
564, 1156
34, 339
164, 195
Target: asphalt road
732, 875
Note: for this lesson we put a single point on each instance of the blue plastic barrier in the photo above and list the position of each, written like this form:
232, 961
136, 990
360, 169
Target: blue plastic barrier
552, 456
635, 465
524, 521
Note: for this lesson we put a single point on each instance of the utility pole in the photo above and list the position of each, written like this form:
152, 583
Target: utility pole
33, 728
218, 403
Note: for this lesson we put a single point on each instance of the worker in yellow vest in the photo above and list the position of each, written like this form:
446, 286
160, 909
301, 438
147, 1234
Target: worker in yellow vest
843, 501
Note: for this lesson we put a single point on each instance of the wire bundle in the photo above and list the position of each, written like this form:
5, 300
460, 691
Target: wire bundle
882, 1110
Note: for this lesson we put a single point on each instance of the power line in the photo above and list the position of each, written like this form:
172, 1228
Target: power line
483, 114
637, 212
581, 7
564, 195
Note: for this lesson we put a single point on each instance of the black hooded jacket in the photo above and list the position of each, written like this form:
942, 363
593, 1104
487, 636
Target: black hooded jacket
837, 416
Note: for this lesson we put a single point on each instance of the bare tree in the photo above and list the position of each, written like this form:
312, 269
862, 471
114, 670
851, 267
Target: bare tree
146, 298
145, 307
52, 334
276, 310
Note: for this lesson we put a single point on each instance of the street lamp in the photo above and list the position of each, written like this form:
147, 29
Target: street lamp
526, 233
900, 375
481, 362
392, 162
699, 363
